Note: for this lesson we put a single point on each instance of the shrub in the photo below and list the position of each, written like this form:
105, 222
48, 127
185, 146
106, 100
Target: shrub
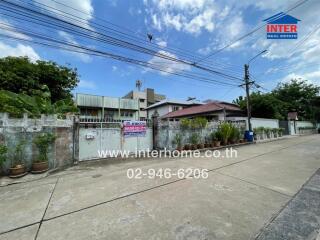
260, 130
267, 130
199, 122
185, 123
213, 136
194, 138
3, 151
177, 140
225, 129
42, 142
18, 153
218, 135
274, 130
235, 133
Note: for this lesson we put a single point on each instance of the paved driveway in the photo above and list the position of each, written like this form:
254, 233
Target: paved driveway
239, 197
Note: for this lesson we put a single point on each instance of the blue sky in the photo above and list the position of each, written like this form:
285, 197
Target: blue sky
198, 26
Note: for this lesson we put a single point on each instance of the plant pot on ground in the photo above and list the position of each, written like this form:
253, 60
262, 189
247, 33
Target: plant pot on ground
177, 141
186, 147
42, 142
225, 129
18, 168
200, 145
194, 138
216, 138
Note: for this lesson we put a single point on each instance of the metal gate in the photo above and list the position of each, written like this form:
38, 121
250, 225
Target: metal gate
285, 126
105, 139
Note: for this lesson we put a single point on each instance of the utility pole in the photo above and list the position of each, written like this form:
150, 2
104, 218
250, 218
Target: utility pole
247, 84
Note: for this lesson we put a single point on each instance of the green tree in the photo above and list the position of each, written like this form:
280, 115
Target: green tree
296, 95
263, 105
20, 75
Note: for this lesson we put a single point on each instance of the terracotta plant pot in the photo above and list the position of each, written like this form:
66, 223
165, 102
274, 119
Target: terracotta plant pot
186, 147
216, 143
17, 171
193, 147
39, 167
200, 146
206, 145
241, 141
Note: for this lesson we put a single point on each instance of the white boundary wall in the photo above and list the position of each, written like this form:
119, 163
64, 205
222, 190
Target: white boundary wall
259, 122
304, 124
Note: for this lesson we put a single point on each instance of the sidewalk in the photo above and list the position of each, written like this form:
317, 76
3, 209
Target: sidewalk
240, 197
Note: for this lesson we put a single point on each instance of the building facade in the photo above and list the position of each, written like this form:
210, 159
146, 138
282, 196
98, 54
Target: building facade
145, 98
215, 110
169, 105
108, 108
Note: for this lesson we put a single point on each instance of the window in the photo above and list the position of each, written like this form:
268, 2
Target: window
141, 100
175, 108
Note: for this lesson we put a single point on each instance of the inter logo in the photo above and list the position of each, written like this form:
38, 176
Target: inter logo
282, 26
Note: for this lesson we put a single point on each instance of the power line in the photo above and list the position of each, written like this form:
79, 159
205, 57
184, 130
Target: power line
115, 25
84, 50
125, 44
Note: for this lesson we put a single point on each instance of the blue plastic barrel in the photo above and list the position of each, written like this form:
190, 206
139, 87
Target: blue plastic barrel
248, 135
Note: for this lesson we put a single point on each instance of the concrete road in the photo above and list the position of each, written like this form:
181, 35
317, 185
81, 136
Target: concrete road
239, 198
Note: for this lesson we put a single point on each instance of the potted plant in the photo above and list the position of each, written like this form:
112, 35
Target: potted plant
268, 132
280, 132
225, 129
194, 141
275, 132
217, 137
3, 151
200, 145
207, 143
177, 141
42, 142
260, 132
18, 168
186, 147
234, 135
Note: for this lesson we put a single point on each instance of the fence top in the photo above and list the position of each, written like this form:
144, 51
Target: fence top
43, 121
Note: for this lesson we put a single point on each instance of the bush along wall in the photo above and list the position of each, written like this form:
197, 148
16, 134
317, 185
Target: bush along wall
262, 133
307, 130
19, 136
198, 133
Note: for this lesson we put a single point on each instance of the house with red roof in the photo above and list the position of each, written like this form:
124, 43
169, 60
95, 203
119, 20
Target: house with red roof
214, 110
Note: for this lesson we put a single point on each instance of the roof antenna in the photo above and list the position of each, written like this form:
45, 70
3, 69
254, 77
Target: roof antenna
138, 85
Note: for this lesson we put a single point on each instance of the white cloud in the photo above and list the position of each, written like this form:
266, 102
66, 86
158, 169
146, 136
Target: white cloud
17, 51
69, 38
166, 65
87, 84
191, 16
114, 68
311, 76
85, 6
9, 29
161, 42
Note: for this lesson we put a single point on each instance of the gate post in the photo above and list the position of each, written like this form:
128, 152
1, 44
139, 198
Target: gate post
76, 129
155, 117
